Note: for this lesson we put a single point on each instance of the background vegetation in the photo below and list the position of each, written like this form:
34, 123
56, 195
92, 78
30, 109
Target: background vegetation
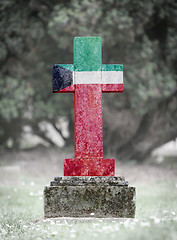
34, 35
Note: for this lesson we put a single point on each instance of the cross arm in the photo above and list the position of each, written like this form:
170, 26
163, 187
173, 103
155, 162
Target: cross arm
112, 78
63, 78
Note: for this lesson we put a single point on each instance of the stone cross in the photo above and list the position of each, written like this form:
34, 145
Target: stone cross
88, 78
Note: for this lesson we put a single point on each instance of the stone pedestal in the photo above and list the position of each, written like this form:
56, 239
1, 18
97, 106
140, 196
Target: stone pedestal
89, 197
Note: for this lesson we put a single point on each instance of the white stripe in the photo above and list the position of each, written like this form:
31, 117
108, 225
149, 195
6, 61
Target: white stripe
87, 77
98, 77
112, 77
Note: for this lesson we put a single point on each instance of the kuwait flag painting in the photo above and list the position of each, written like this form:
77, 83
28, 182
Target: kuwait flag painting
63, 76
88, 78
87, 69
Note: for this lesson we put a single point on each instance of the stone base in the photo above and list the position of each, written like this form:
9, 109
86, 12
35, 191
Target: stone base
89, 197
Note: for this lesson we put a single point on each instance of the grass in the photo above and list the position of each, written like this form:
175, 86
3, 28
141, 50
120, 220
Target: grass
21, 202
21, 216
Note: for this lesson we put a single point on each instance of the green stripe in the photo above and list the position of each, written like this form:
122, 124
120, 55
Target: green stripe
112, 67
67, 66
87, 54
105, 67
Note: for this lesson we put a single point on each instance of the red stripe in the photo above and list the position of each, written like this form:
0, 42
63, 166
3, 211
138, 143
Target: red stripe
67, 89
112, 87
105, 88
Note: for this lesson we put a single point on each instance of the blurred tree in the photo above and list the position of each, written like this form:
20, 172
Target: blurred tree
34, 35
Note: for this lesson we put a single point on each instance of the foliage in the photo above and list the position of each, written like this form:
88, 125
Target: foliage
141, 35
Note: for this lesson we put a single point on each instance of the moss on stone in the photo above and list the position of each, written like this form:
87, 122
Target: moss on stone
80, 201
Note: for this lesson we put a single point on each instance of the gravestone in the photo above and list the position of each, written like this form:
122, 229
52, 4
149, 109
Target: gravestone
89, 187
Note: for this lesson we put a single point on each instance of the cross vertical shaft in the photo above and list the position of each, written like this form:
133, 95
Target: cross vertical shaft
88, 98
88, 121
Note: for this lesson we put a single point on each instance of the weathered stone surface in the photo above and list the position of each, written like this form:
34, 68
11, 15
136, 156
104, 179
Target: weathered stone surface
88, 78
85, 180
89, 166
91, 197
62, 76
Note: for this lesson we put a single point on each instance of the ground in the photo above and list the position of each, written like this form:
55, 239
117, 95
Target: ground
23, 176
